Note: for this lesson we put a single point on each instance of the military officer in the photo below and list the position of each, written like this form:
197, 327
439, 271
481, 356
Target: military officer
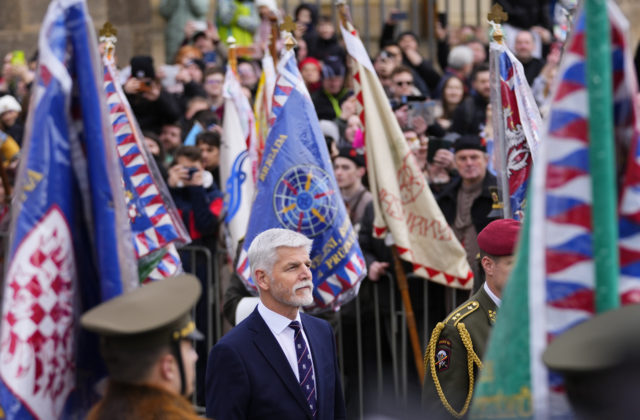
600, 363
455, 350
146, 343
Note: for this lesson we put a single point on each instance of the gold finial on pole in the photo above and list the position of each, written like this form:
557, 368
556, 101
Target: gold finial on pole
108, 36
289, 26
496, 16
232, 54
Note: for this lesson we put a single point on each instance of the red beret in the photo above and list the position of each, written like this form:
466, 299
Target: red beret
499, 237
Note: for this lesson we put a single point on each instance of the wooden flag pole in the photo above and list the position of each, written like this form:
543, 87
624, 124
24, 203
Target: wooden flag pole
275, 36
401, 278
403, 286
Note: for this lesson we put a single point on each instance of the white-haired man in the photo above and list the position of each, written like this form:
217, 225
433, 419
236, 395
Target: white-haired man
277, 363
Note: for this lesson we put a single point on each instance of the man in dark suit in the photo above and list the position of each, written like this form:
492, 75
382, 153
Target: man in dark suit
278, 363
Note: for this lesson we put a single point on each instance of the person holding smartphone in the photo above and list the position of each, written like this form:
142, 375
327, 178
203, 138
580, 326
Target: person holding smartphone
151, 104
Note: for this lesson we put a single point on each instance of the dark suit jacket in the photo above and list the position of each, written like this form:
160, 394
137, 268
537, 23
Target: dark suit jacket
248, 376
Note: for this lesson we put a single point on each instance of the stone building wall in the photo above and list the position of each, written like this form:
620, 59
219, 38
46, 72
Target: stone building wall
140, 27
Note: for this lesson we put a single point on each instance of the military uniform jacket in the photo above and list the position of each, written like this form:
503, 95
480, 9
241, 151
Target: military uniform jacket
455, 344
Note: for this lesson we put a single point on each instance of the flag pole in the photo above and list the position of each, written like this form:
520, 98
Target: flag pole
601, 155
496, 17
273, 39
233, 55
401, 278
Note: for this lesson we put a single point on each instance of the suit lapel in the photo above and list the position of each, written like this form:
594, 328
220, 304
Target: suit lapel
273, 354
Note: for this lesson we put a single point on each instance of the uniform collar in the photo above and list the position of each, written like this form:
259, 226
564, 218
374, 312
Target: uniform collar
493, 297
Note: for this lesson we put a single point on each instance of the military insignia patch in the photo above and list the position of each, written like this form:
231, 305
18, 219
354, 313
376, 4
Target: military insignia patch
443, 355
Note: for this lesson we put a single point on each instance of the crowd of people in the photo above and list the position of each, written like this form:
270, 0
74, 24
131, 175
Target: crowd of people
442, 105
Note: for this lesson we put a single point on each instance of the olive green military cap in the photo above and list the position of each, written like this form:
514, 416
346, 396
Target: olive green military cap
160, 311
601, 342
600, 363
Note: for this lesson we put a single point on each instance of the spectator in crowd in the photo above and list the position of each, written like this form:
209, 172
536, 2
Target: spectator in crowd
479, 51
154, 146
459, 64
238, 19
541, 87
327, 100
213, 84
524, 53
402, 85
209, 144
325, 43
292, 372
306, 18
353, 133
171, 140
249, 74
311, 71
331, 135
349, 168
177, 14
207, 42
395, 54
17, 76
532, 15
408, 43
470, 116
10, 110
451, 97
190, 76
466, 202
151, 104
150, 359
384, 65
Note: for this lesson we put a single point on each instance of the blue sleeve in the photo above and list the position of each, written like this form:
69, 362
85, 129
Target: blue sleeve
227, 385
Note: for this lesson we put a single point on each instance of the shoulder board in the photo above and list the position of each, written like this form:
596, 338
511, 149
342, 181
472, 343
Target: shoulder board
461, 312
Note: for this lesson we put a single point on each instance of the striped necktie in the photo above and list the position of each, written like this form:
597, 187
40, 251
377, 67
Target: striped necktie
305, 368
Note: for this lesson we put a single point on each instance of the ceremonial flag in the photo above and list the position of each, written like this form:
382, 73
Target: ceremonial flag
403, 203
297, 190
155, 222
262, 107
70, 236
516, 122
555, 284
236, 169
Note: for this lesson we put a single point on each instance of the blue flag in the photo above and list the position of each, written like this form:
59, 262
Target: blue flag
297, 190
70, 238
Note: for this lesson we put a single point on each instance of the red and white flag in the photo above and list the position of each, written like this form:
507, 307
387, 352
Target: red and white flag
403, 203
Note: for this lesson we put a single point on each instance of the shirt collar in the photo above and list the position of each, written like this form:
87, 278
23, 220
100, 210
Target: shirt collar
493, 297
276, 322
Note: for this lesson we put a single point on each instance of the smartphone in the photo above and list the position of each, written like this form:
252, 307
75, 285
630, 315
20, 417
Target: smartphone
145, 86
399, 16
436, 144
442, 17
17, 58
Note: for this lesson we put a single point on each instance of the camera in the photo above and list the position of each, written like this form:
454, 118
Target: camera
192, 171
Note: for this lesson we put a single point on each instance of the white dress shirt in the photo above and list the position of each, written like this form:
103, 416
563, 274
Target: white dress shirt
493, 297
279, 326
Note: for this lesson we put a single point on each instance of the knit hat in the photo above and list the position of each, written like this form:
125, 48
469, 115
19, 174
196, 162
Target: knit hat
333, 66
9, 103
353, 155
469, 142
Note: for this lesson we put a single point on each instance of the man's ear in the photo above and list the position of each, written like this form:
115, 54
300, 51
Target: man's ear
361, 172
488, 265
262, 279
168, 367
